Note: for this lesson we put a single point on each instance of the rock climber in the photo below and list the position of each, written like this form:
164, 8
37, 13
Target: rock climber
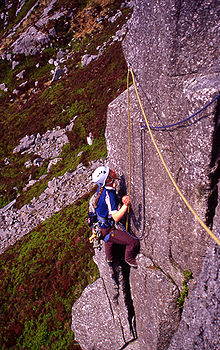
108, 213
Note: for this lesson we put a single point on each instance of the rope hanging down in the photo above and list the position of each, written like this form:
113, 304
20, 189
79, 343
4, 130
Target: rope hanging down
181, 121
163, 162
129, 179
129, 154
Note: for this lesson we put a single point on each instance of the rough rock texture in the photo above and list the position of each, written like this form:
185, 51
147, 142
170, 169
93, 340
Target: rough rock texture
173, 45
172, 48
109, 299
85, 313
199, 327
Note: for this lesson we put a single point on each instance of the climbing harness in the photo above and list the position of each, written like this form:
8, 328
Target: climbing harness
109, 235
143, 125
92, 220
130, 71
95, 222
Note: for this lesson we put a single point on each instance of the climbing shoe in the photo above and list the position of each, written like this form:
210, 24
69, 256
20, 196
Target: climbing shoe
134, 264
109, 262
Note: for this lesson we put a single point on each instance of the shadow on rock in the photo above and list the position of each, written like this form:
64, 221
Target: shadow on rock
121, 277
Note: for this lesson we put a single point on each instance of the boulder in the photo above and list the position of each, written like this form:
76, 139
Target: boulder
38, 162
115, 17
53, 162
25, 143
14, 64
90, 139
86, 59
58, 73
93, 335
28, 164
3, 87
20, 75
6, 161
30, 42
61, 53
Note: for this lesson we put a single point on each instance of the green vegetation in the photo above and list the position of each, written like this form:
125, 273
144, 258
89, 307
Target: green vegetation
184, 292
86, 92
14, 176
45, 272
41, 276
25, 8
6, 74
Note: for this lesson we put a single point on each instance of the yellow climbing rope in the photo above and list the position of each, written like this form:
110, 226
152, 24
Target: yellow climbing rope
162, 160
129, 153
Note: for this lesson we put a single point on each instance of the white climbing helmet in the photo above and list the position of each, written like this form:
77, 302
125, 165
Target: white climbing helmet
100, 175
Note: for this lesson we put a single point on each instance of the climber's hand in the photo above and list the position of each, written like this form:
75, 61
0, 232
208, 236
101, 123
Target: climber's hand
126, 200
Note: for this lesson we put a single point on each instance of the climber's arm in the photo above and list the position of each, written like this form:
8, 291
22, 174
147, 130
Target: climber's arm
118, 215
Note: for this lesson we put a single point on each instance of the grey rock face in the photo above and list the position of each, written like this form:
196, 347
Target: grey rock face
199, 327
109, 299
85, 313
158, 34
172, 49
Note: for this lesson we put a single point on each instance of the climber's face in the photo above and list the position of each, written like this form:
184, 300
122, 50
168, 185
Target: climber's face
112, 174
111, 177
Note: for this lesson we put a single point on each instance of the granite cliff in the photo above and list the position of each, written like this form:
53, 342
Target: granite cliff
63, 98
172, 49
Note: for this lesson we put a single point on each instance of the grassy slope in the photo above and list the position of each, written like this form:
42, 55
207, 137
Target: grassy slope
41, 277
45, 272
85, 92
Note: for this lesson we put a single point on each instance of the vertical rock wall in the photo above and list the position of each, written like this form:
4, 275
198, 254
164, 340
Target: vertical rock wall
172, 49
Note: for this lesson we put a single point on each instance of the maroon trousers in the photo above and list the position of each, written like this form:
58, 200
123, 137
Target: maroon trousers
123, 238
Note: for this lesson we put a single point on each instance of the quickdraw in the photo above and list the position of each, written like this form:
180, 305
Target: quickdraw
95, 238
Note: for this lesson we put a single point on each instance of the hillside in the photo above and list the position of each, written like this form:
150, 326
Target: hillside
61, 65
